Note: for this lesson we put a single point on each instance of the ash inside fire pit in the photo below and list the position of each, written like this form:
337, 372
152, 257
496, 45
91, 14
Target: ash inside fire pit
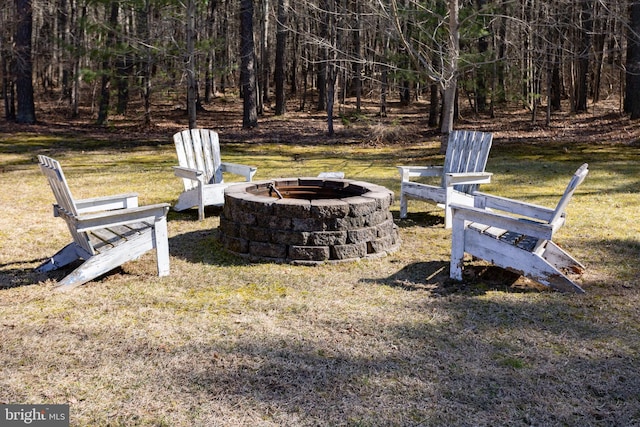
308, 220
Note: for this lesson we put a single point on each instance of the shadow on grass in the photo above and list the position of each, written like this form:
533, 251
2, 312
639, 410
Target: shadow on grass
202, 247
477, 370
13, 277
423, 219
16, 277
14, 274
480, 277
433, 276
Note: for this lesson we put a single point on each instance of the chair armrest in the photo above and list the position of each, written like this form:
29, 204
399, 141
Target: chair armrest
95, 221
516, 207
118, 201
462, 178
407, 172
188, 173
238, 169
493, 219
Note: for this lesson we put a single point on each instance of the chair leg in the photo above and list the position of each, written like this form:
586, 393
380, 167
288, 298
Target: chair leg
540, 270
448, 222
560, 258
457, 248
201, 201
403, 205
90, 269
162, 246
521, 261
448, 214
104, 262
65, 256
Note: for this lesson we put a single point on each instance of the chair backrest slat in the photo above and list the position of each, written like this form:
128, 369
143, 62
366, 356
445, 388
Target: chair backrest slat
467, 151
576, 180
196, 151
55, 176
64, 199
199, 149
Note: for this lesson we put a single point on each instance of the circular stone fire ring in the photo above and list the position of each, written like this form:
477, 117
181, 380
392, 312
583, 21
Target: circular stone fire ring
308, 220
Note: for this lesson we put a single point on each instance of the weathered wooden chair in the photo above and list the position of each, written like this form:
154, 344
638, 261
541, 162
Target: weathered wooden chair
461, 175
201, 170
106, 231
516, 236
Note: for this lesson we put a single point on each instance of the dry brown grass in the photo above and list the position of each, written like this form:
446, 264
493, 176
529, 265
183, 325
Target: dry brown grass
380, 342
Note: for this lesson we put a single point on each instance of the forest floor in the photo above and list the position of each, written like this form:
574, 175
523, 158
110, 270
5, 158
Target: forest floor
602, 124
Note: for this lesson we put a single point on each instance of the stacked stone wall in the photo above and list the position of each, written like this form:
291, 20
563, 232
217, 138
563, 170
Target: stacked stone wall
348, 227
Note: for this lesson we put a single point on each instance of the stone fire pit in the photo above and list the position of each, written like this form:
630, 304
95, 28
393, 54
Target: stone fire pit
308, 220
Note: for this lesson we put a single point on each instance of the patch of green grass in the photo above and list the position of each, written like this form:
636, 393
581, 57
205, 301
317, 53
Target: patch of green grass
511, 362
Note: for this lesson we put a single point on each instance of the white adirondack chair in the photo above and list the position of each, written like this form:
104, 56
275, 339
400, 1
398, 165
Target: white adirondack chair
201, 170
106, 231
516, 236
461, 175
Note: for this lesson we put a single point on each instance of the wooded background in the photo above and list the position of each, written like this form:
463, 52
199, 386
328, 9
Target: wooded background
483, 53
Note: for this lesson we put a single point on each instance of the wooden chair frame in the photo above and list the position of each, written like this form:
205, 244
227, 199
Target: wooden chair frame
106, 231
461, 175
201, 170
517, 236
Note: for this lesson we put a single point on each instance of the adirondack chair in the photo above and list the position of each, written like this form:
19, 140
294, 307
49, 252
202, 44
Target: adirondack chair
201, 170
461, 175
106, 231
516, 236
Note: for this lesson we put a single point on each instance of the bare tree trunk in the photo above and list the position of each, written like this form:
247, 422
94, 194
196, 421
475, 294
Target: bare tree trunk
323, 55
332, 72
434, 103
632, 90
124, 67
501, 43
600, 38
280, 65
247, 66
226, 79
144, 30
26, 112
6, 66
78, 38
481, 74
321, 83
293, 68
554, 49
527, 54
209, 80
190, 64
586, 20
549, 77
451, 74
105, 87
63, 14
384, 77
384, 87
331, 90
264, 58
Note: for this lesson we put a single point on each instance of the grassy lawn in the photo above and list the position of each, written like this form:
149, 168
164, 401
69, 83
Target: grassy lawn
379, 342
